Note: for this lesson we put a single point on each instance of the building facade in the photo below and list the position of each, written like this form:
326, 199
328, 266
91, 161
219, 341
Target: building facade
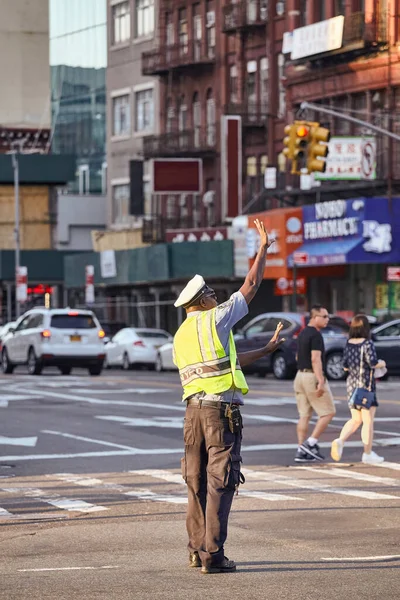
214, 59
78, 60
132, 108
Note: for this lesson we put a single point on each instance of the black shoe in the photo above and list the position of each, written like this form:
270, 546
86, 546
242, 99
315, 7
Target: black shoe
302, 456
194, 559
313, 450
226, 566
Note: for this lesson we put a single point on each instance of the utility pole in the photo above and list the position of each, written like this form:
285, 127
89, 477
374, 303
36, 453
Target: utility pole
15, 163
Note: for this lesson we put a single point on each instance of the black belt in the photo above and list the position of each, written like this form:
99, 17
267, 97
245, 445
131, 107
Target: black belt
306, 371
213, 403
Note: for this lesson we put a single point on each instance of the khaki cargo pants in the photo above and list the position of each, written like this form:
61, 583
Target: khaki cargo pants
211, 469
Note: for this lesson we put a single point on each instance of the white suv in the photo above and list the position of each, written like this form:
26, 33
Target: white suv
59, 337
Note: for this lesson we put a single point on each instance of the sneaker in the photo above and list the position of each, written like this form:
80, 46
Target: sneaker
372, 459
226, 566
313, 450
302, 456
194, 559
337, 449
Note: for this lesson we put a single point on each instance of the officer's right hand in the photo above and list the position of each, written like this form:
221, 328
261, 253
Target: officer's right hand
264, 239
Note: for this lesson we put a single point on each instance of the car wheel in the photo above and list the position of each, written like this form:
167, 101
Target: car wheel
6, 366
334, 366
126, 365
35, 366
279, 366
95, 370
65, 370
158, 365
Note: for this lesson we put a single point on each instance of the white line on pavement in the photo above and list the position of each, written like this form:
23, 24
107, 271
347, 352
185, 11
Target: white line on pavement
24, 441
389, 465
5, 513
317, 487
56, 500
363, 558
354, 475
86, 439
67, 569
176, 478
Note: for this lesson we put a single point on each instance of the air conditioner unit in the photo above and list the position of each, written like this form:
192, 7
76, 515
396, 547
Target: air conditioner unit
208, 198
280, 8
210, 19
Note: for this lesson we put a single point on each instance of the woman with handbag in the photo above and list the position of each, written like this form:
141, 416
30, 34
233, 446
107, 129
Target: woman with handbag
360, 361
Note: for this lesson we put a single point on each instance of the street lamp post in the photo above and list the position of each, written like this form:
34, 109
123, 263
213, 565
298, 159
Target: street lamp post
15, 163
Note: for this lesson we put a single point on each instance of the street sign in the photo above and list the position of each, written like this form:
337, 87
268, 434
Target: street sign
89, 284
22, 284
393, 274
300, 258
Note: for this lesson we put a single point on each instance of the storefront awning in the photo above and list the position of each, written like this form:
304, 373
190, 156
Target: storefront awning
332, 252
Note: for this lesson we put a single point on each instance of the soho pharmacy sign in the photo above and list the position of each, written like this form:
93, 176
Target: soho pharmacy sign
361, 218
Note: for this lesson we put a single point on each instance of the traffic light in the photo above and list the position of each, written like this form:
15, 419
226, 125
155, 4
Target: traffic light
296, 142
289, 141
318, 148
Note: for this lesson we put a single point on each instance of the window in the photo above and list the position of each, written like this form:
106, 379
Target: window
251, 179
144, 110
182, 115
251, 89
120, 203
183, 32
210, 24
121, 115
66, 321
170, 116
121, 18
342, 127
210, 110
390, 331
340, 7
84, 179
233, 84
144, 15
303, 13
104, 178
197, 31
196, 119
281, 88
263, 167
264, 92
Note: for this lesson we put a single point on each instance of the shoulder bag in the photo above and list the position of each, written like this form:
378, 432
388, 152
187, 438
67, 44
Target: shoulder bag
362, 397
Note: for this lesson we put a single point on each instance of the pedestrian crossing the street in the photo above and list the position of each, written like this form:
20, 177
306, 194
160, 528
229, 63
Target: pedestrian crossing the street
65, 495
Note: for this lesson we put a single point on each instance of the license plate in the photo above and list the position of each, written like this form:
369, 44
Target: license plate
75, 338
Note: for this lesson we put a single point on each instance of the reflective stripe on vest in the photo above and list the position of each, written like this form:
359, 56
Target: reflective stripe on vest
201, 359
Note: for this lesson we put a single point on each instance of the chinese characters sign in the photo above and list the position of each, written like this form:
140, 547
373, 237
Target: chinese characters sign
350, 158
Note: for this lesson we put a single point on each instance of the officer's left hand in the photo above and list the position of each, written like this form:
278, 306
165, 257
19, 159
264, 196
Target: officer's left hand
275, 342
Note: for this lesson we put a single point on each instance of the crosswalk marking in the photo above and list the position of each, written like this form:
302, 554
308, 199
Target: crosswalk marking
148, 489
4, 513
56, 500
177, 478
389, 465
317, 487
141, 494
354, 475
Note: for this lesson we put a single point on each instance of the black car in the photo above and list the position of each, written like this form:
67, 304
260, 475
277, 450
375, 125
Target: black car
386, 338
282, 363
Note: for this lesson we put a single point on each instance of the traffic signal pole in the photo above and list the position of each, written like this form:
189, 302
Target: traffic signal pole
346, 117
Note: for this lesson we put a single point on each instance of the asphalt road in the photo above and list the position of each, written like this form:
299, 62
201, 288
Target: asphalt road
92, 504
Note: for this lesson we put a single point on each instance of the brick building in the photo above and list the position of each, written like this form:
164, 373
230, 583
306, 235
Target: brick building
216, 58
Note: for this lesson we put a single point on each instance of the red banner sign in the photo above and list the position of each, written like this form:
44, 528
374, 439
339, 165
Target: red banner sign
284, 286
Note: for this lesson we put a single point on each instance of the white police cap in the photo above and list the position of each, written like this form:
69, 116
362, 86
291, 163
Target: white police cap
194, 288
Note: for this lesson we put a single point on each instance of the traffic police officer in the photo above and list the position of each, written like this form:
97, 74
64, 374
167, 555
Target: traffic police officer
213, 389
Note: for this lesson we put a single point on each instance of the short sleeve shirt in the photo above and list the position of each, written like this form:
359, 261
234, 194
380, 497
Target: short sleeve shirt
309, 339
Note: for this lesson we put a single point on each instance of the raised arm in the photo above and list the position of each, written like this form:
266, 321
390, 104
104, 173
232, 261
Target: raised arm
255, 275
247, 358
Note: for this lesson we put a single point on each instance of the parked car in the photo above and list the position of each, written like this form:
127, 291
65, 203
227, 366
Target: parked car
111, 328
135, 346
164, 361
282, 363
386, 338
4, 330
63, 338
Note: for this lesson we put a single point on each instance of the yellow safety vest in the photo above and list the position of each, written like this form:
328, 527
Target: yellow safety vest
201, 359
